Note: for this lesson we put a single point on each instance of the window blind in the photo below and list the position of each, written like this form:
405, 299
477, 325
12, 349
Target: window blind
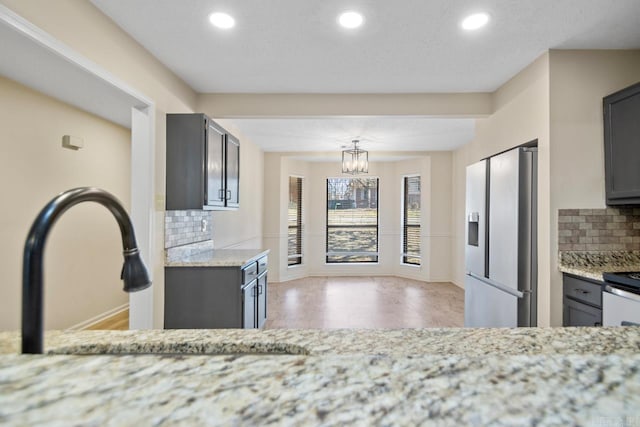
411, 221
294, 221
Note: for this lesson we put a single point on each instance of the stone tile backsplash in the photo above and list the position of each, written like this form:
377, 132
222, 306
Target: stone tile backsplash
610, 229
184, 227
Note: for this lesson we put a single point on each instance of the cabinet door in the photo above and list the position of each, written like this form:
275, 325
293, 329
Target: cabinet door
202, 297
578, 314
185, 161
215, 190
262, 300
249, 294
622, 150
232, 192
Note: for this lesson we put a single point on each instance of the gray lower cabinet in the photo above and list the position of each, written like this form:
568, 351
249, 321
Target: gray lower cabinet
249, 306
579, 314
581, 301
261, 309
216, 297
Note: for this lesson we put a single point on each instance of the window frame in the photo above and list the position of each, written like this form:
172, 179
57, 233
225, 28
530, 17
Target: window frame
404, 255
375, 254
299, 224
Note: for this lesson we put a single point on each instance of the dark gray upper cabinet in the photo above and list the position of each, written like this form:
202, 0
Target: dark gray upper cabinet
215, 170
622, 146
232, 147
203, 164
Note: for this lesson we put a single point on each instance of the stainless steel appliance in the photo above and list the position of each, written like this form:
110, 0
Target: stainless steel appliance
621, 299
500, 240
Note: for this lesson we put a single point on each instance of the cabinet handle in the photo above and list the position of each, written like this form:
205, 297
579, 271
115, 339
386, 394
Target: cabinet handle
220, 192
253, 291
228, 194
259, 289
582, 291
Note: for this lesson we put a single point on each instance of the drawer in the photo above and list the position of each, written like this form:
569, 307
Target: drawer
582, 290
262, 265
249, 273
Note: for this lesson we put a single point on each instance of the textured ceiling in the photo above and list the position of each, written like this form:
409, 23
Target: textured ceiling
404, 46
407, 46
375, 133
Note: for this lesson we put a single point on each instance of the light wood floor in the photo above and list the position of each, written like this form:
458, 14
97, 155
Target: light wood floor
363, 302
352, 302
117, 322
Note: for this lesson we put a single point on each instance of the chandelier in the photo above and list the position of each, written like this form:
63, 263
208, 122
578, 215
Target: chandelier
355, 160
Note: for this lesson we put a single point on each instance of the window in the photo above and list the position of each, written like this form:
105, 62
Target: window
294, 221
352, 220
411, 220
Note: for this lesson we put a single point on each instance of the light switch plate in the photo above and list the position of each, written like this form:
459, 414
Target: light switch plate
160, 202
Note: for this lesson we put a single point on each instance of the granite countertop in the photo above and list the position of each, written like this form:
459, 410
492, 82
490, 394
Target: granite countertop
546, 376
317, 342
202, 254
592, 264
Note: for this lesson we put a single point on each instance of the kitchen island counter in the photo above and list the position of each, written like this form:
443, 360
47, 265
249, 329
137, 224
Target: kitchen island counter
316, 342
448, 376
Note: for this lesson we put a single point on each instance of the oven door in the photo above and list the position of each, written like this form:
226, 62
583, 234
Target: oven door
620, 307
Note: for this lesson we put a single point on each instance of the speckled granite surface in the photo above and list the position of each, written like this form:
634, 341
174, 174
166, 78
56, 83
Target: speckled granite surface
330, 390
545, 376
197, 257
592, 264
401, 342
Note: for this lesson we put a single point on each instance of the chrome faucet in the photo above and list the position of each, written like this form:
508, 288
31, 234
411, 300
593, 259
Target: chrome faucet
134, 273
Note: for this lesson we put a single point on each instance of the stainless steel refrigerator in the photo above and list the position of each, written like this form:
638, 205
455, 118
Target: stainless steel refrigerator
500, 240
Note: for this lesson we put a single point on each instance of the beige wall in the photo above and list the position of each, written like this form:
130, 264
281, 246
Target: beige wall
309, 105
521, 114
85, 29
278, 169
84, 251
579, 81
435, 170
274, 204
438, 202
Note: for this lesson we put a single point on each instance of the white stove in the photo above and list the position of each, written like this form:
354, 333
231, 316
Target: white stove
621, 299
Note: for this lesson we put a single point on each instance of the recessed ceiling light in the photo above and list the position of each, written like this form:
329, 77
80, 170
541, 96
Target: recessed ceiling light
222, 20
350, 19
475, 21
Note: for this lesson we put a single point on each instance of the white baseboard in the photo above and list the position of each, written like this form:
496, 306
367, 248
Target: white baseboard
99, 318
460, 285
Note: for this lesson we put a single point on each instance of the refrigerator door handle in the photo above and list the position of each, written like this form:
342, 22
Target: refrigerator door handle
497, 285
